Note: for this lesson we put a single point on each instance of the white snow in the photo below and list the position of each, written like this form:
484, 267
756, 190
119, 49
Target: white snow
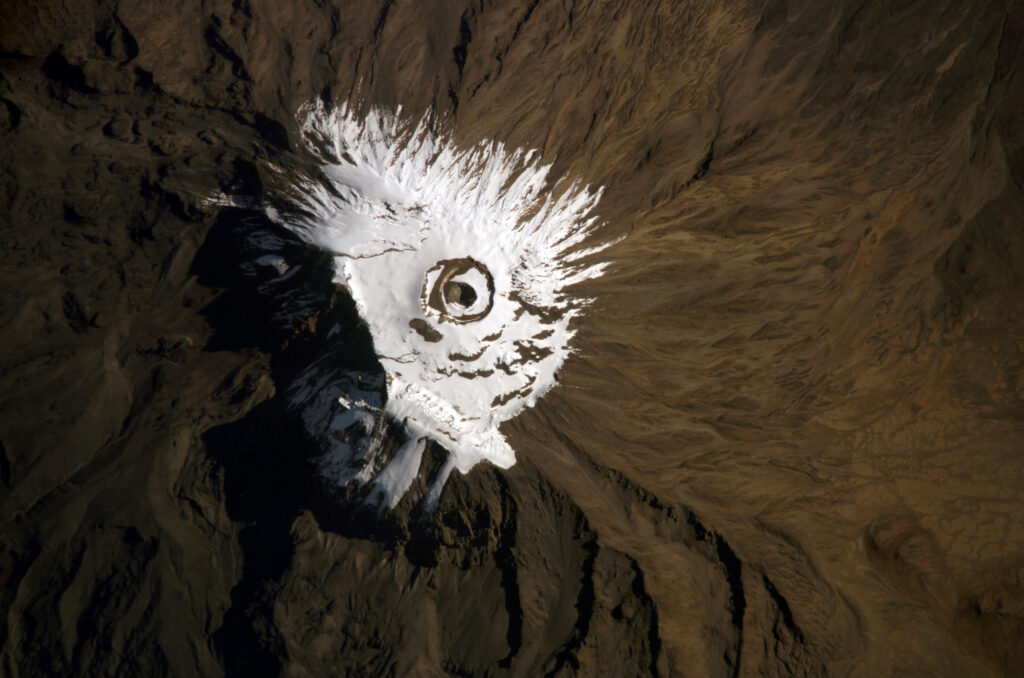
421, 232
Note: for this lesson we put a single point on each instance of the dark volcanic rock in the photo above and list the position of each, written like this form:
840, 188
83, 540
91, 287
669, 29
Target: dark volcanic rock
790, 444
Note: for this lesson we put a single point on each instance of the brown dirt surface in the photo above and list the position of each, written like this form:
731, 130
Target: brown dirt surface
790, 443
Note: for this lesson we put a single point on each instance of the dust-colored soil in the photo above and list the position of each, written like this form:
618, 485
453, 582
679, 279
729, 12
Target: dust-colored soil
790, 443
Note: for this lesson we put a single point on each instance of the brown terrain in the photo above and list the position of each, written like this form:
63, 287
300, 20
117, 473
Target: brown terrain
791, 441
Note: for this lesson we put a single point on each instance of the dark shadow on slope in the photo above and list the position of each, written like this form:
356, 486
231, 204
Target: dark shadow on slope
278, 298
266, 458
